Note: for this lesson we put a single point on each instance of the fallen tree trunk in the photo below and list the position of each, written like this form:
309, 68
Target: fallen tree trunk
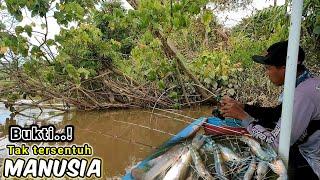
172, 53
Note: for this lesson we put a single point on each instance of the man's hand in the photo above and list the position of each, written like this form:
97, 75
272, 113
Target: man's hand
232, 108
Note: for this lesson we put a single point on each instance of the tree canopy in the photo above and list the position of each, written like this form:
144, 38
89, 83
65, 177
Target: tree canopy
169, 53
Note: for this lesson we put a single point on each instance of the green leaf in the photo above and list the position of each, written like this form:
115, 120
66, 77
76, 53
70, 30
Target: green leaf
173, 95
43, 26
316, 30
84, 72
176, 22
231, 92
152, 75
50, 42
161, 84
28, 30
72, 72
2, 26
194, 8
35, 50
18, 15
19, 30
207, 80
49, 76
177, 106
207, 17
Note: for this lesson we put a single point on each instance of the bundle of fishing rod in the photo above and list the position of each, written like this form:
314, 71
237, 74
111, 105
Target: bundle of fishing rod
215, 157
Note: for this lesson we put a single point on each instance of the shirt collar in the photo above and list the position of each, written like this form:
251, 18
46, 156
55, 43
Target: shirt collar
304, 76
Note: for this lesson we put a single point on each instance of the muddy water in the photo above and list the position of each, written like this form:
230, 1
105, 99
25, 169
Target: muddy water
120, 137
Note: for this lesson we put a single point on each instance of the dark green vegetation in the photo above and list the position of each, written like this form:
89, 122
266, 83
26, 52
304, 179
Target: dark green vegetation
161, 53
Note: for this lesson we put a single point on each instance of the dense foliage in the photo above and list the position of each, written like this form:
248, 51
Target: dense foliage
101, 46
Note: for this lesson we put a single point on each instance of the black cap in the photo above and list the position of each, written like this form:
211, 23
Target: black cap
277, 55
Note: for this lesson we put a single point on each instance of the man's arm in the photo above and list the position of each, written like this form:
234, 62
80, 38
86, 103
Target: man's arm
266, 116
303, 110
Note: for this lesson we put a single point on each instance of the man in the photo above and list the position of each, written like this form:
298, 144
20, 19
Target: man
304, 158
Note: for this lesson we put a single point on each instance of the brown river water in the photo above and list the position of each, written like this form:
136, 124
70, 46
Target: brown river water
121, 138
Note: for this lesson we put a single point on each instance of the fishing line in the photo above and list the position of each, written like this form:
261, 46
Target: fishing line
119, 138
221, 127
174, 113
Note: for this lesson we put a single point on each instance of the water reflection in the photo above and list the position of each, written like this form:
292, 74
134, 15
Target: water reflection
120, 137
